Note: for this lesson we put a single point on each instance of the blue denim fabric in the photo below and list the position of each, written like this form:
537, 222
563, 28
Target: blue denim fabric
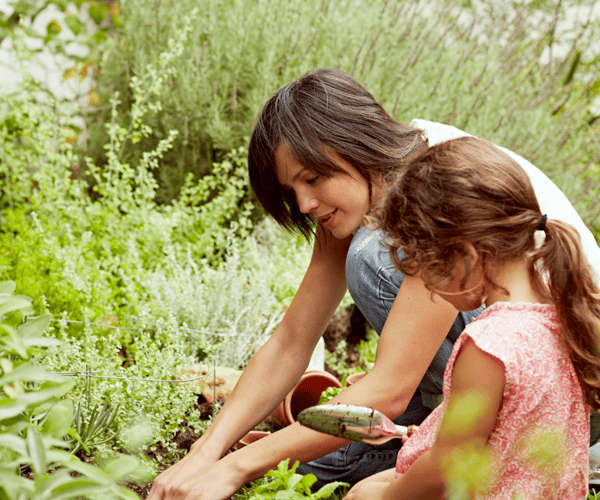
373, 283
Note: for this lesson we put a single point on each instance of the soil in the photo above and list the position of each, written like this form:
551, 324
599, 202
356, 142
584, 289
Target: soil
350, 325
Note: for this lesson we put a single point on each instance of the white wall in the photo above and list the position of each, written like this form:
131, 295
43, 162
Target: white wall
43, 66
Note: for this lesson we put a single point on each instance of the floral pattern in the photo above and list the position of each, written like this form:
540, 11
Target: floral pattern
541, 437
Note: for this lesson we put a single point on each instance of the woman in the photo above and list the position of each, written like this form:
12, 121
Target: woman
320, 155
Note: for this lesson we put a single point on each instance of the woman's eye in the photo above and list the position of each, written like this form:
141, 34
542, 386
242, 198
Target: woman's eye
312, 180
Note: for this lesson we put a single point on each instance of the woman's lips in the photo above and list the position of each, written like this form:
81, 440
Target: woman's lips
328, 219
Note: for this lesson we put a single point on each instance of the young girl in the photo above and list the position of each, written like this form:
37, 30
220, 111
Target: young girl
467, 219
320, 155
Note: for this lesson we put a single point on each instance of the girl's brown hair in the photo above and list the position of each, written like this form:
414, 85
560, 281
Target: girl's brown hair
468, 190
324, 111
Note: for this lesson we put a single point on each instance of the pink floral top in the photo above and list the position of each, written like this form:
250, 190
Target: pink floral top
542, 408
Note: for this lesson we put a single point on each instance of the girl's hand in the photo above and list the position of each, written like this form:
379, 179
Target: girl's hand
411, 430
372, 487
368, 490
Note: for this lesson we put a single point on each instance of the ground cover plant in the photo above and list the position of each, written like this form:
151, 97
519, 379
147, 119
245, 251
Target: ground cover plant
140, 237
35, 418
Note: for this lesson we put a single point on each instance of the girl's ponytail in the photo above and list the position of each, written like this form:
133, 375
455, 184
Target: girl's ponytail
575, 295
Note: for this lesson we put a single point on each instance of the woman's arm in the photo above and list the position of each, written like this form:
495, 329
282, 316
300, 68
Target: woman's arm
273, 371
412, 335
480, 377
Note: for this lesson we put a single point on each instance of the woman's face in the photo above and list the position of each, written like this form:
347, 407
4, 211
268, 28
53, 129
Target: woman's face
339, 202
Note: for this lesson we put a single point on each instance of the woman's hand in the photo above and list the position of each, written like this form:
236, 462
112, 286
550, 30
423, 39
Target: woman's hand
196, 478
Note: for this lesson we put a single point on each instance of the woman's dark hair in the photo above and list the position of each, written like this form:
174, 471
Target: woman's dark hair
468, 190
323, 112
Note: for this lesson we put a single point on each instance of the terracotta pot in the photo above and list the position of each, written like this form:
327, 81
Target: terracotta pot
354, 377
306, 394
251, 437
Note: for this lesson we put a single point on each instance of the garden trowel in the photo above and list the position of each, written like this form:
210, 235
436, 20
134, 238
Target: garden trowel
357, 423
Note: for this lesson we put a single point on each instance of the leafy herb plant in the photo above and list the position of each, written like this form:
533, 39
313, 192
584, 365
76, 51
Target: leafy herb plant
285, 483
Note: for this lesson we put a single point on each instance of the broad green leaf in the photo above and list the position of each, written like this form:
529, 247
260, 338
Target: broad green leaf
288, 494
11, 383
121, 467
34, 327
13, 344
61, 384
98, 11
54, 480
13, 303
7, 287
293, 481
41, 342
88, 470
99, 36
306, 482
78, 488
25, 373
74, 24
11, 408
53, 28
6, 365
37, 452
125, 493
329, 489
14, 443
58, 420
14, 485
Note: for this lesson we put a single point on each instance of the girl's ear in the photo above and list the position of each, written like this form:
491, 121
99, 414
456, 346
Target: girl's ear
472, 254
472, 257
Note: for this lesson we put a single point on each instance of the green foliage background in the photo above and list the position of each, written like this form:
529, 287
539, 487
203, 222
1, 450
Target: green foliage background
142, 239
478, 69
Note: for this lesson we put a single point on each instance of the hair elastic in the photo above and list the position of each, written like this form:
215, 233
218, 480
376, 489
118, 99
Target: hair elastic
542, 224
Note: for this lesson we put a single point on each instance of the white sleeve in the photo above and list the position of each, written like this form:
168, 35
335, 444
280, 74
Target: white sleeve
551, 199
556, 205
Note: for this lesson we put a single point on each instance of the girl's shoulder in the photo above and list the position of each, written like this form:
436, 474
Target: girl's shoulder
504, 325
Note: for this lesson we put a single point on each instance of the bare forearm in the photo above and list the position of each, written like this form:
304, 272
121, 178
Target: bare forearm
294, 442
270, 375
299, 443
379, 391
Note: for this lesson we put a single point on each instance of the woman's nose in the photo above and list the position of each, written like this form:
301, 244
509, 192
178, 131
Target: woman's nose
306, 202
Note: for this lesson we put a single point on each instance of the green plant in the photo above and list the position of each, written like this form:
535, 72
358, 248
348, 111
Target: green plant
34, 418
330, 393
285, 483
155, 359
496, 80
95, 430
88, 254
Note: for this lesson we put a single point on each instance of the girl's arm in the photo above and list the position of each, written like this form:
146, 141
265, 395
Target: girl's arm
477, 375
